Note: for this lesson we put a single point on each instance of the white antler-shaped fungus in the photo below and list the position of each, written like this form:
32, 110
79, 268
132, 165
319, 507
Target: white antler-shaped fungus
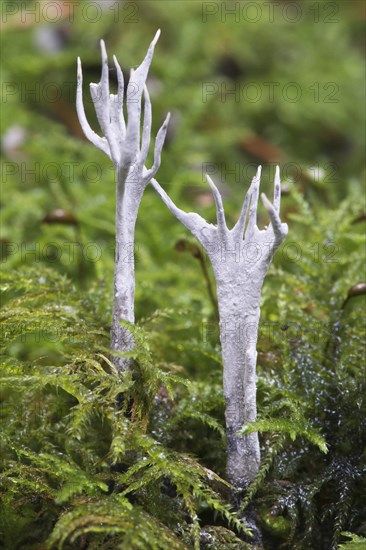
123, 143
240, 259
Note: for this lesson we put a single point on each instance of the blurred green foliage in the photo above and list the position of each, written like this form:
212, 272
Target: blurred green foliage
79, 471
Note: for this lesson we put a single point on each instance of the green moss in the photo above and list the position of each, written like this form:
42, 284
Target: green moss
90, 460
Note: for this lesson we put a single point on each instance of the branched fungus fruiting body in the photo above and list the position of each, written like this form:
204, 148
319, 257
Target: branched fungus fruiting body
240, 259
239, 277
127, 146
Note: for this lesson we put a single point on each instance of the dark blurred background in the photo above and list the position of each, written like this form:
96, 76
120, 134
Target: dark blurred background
247, 83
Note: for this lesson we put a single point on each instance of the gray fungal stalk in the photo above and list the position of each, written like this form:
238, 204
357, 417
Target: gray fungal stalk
240, 259
127, 145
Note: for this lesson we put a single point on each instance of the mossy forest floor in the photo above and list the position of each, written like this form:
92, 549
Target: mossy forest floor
92, 461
